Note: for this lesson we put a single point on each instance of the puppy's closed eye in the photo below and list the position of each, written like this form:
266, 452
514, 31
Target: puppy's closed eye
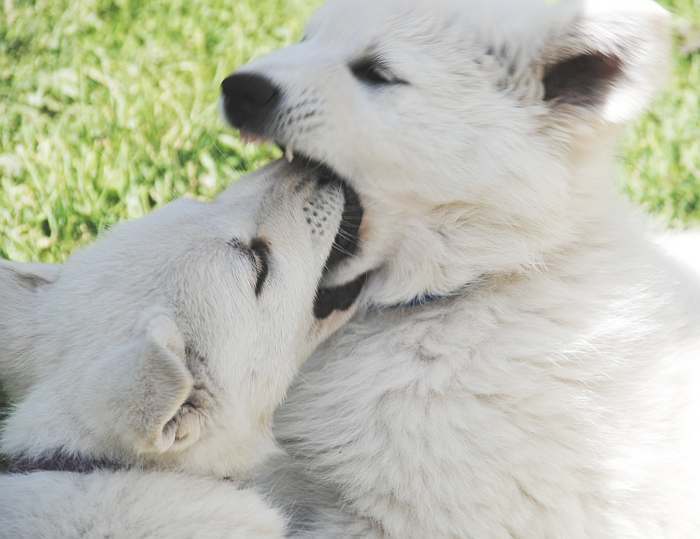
258, 252
261, 250
374, 71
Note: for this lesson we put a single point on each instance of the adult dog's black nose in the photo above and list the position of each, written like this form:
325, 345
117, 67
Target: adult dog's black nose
249, 100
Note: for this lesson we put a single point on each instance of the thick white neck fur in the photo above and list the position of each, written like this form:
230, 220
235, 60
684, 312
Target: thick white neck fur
443, 248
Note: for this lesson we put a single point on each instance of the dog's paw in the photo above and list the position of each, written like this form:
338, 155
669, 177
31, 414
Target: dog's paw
184, 428
163, 414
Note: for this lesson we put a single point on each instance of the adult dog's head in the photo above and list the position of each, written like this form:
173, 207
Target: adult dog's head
473, 129
172, 339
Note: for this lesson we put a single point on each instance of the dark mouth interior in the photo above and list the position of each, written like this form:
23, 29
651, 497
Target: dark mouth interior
338, 298
345, 245
346, 242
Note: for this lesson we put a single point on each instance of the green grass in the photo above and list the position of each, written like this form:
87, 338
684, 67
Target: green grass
108, 109
662, 151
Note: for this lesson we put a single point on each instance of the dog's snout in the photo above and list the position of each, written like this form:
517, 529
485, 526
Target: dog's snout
249, 100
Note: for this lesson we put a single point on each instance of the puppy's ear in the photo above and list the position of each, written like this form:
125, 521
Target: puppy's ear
20, 285
141, 387
28, 276
608, 62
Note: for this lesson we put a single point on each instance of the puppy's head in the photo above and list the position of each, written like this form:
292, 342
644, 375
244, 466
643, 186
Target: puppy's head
464, 124
172, 339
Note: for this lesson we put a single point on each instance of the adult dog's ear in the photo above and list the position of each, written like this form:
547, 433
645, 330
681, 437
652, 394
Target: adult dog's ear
139, 388
20, 286
607, 63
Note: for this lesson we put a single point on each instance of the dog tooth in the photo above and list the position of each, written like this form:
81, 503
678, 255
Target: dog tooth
289, 153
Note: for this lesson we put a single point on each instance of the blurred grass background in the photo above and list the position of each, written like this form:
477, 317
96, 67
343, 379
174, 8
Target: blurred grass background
108, 109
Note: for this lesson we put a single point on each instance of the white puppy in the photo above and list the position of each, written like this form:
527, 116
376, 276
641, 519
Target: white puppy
164, 348
530, 368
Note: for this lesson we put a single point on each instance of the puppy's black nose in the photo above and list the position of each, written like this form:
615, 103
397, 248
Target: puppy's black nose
249, 100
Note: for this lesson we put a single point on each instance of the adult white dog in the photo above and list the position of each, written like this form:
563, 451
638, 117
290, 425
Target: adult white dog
530, 367
159, 354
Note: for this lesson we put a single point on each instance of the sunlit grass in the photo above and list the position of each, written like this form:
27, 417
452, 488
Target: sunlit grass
662, 153
109, 108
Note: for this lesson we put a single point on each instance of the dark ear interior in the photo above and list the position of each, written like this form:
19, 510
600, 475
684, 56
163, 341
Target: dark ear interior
583, 80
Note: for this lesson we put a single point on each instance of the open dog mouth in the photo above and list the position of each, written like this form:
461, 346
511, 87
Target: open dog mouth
345, 246
346, 242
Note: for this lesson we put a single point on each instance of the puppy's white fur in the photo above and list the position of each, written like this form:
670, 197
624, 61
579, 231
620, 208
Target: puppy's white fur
554, 391
151, 349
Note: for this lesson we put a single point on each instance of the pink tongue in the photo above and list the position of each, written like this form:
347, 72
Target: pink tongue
250, 138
